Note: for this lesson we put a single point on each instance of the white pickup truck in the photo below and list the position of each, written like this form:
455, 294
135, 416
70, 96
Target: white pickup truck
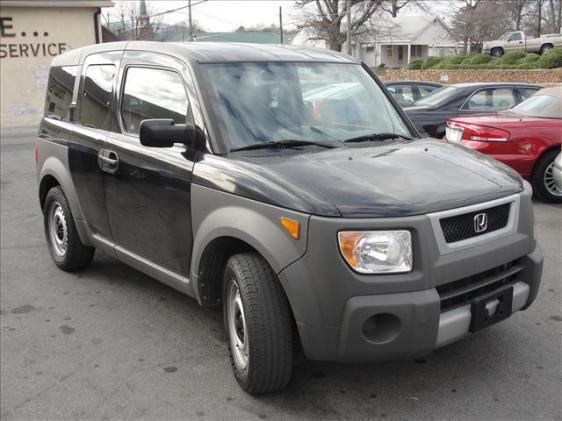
514, 41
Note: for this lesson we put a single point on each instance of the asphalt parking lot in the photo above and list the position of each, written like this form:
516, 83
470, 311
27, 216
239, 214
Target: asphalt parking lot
111, 343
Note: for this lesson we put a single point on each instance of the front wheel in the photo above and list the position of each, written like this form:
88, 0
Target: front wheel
543, 178
258, 324
497, 52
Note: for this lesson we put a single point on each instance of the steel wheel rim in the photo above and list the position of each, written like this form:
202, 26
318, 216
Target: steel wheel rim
237, 330
58, 230
549, 182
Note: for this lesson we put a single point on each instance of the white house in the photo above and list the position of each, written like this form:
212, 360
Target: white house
394, 42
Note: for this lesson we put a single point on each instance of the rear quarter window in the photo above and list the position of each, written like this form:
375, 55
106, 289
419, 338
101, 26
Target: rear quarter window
97, 92
59, 91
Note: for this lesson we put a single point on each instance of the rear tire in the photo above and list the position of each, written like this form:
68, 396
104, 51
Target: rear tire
497, 52
258, 324
66, 249
545, 48
543, 178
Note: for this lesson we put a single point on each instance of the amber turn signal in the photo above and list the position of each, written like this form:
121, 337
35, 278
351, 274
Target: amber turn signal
292, 227
348, 241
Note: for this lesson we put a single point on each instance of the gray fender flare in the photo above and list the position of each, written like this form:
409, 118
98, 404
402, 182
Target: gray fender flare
54, 167
217, 214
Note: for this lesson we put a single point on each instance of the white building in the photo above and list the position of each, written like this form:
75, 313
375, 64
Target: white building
395, 41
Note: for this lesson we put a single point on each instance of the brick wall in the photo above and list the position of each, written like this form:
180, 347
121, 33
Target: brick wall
542, 76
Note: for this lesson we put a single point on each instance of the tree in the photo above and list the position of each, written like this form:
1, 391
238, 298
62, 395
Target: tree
325, 21
515, 11
394, 6
479, 21
136, 21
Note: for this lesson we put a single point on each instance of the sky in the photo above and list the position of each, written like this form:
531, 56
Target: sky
227, 15
223, 15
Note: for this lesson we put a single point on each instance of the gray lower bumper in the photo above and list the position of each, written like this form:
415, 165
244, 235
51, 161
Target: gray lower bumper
406, 325
454, 324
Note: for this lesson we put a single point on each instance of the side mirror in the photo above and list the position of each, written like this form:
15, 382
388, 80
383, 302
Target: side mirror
164, 132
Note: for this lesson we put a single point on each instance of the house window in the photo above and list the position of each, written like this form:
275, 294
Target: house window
416, 51
400, 52
389, 50
370, 48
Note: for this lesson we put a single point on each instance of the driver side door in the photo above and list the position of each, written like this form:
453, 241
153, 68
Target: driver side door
148, 189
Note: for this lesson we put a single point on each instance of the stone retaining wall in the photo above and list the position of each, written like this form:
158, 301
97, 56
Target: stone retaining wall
542, 76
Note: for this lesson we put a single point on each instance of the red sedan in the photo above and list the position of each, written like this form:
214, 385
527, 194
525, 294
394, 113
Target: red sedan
527, 138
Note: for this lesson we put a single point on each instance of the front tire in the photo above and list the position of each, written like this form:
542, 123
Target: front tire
258, 324
543, 178
497, 52
66, 249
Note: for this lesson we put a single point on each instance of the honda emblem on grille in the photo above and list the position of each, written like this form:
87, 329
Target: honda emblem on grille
480, 222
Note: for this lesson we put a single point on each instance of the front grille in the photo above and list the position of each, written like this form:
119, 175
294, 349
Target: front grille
462, 291
461, 227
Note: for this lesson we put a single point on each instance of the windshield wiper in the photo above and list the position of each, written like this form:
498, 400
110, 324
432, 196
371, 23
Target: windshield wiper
285, 143
377, 136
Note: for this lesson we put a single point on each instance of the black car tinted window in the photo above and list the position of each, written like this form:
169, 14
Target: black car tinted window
96, 97
426, 90
153, 93
491, 100
59, 91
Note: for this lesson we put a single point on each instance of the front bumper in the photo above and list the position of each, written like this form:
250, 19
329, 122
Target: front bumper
344, 316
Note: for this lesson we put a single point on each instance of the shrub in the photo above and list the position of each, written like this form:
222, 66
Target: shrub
512, 57
530, 58
415, 64
479, 59
431, 62
450, 61
550, 59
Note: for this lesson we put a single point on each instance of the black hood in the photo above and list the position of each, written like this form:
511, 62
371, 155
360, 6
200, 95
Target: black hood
367, 180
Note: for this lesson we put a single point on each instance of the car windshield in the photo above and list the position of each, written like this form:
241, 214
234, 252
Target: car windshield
544, 106
438, 97
505, 36
315, 102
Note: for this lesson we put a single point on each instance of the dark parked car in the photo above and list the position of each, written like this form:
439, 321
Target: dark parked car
406, 92
203, 166
430, 114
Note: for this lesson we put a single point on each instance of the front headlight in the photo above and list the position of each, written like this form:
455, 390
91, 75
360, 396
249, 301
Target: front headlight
377, 251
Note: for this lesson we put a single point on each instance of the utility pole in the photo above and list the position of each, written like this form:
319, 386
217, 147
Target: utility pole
190, 21
280, 24
349, 27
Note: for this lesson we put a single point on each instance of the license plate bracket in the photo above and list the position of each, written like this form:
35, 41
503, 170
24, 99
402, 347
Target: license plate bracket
480, 318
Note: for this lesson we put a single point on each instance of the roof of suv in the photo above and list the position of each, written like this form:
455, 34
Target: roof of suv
214, 52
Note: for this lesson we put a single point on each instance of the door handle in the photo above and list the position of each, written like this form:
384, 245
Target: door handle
108, 161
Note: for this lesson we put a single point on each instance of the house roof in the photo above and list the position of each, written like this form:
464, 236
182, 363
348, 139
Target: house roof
406, 28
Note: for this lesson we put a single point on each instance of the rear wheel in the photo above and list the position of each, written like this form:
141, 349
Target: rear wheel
545, 48
258, 324
65, 246
497, 52
543, 178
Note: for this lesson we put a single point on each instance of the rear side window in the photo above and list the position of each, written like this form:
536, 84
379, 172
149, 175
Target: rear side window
96, 97
59, 91
527, 92
491, 99
153, 93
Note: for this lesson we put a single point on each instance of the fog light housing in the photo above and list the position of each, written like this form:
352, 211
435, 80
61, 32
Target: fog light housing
372, 252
